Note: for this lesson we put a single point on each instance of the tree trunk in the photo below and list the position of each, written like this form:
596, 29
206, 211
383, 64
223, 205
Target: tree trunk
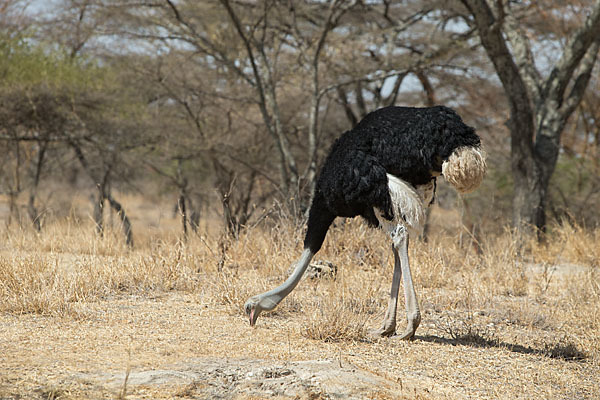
125, 222
194, 220
99, 211
31, 208
13, 208
529, 198
535, 133
182, 210
33, 212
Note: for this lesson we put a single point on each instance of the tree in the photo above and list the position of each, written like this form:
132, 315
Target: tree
540, 104
35, 94
52, 104
273, 69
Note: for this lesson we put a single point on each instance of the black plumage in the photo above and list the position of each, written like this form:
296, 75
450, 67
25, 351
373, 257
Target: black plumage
387, 164
409, 143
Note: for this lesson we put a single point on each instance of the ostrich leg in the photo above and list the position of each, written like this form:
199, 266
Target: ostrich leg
401, 270
388, 327
413, 315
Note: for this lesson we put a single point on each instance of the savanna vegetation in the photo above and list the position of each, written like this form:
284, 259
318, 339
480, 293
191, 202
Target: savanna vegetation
158, 159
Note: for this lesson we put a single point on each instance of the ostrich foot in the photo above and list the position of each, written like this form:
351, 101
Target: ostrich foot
408, 334
411, 328
383, 332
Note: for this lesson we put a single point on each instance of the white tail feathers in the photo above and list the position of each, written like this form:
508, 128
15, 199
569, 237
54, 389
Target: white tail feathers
407, 206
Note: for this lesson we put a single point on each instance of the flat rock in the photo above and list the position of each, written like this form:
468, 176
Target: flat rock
232, 378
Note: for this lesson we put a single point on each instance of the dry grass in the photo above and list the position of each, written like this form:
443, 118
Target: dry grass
72, 303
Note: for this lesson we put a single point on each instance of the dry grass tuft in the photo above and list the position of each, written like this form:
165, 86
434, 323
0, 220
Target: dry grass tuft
56, 283
36, 284
514, 304
564, 349
336, 314
579, 245
465, 330
334, 321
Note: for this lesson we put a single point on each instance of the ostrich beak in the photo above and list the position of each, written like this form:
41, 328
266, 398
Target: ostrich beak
252, 309
252, 318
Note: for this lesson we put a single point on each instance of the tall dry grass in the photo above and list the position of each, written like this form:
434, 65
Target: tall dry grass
552, 286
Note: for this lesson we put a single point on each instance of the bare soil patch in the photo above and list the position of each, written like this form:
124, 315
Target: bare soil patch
177, 346
235, 378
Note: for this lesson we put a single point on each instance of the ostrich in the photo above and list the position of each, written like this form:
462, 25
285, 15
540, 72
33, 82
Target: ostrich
385, 170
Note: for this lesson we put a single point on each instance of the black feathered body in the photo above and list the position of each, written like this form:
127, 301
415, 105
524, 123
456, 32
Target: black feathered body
409, 143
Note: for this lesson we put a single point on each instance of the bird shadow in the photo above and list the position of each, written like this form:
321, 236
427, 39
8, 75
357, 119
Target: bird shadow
561, 350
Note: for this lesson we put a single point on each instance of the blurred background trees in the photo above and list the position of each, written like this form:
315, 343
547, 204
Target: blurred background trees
230, 106
541, 97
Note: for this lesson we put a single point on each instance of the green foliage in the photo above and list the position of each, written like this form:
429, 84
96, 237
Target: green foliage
25, 65
98, 93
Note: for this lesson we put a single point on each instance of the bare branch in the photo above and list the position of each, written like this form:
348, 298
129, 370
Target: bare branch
393, 96
429, 91
523, 54
209, 47
508, 72
563, 71
581, 82
286, 156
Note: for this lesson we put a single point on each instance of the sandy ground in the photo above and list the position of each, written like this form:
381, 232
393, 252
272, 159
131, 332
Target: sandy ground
188, 343
180, 346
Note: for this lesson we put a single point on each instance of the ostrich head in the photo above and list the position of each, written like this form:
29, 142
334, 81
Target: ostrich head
465, 168
256, 305
268, 301
253, 309
459, 147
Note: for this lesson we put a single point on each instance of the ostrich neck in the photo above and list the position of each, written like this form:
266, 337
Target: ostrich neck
270, 299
